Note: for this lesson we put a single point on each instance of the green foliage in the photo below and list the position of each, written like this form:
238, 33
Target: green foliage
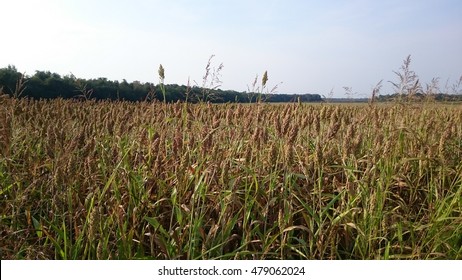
47, 85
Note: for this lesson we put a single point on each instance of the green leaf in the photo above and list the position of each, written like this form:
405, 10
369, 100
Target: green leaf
37, 227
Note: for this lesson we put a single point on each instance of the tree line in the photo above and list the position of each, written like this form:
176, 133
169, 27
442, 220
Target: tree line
48, 85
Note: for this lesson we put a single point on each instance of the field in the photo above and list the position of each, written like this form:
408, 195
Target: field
120, 180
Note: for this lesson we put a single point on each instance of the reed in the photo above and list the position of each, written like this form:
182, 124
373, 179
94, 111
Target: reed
120, 180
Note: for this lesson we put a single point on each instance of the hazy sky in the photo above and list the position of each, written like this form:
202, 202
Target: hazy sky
309, 46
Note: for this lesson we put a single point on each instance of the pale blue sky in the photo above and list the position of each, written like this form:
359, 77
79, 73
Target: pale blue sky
309, 46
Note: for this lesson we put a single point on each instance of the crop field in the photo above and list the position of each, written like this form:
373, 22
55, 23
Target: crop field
151, 180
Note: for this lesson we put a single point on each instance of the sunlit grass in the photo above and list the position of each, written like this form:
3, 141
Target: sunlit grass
119, 180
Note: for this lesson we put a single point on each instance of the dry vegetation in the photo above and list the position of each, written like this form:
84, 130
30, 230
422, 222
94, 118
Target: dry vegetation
119, 180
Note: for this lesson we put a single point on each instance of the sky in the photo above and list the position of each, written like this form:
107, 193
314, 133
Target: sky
305, 46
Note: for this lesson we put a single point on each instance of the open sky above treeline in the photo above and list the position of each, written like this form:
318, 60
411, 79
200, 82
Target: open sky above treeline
306, 46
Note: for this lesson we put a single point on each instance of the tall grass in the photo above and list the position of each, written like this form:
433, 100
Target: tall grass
119, 180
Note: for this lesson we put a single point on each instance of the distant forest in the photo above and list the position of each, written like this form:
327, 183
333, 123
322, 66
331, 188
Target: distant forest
47, 85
